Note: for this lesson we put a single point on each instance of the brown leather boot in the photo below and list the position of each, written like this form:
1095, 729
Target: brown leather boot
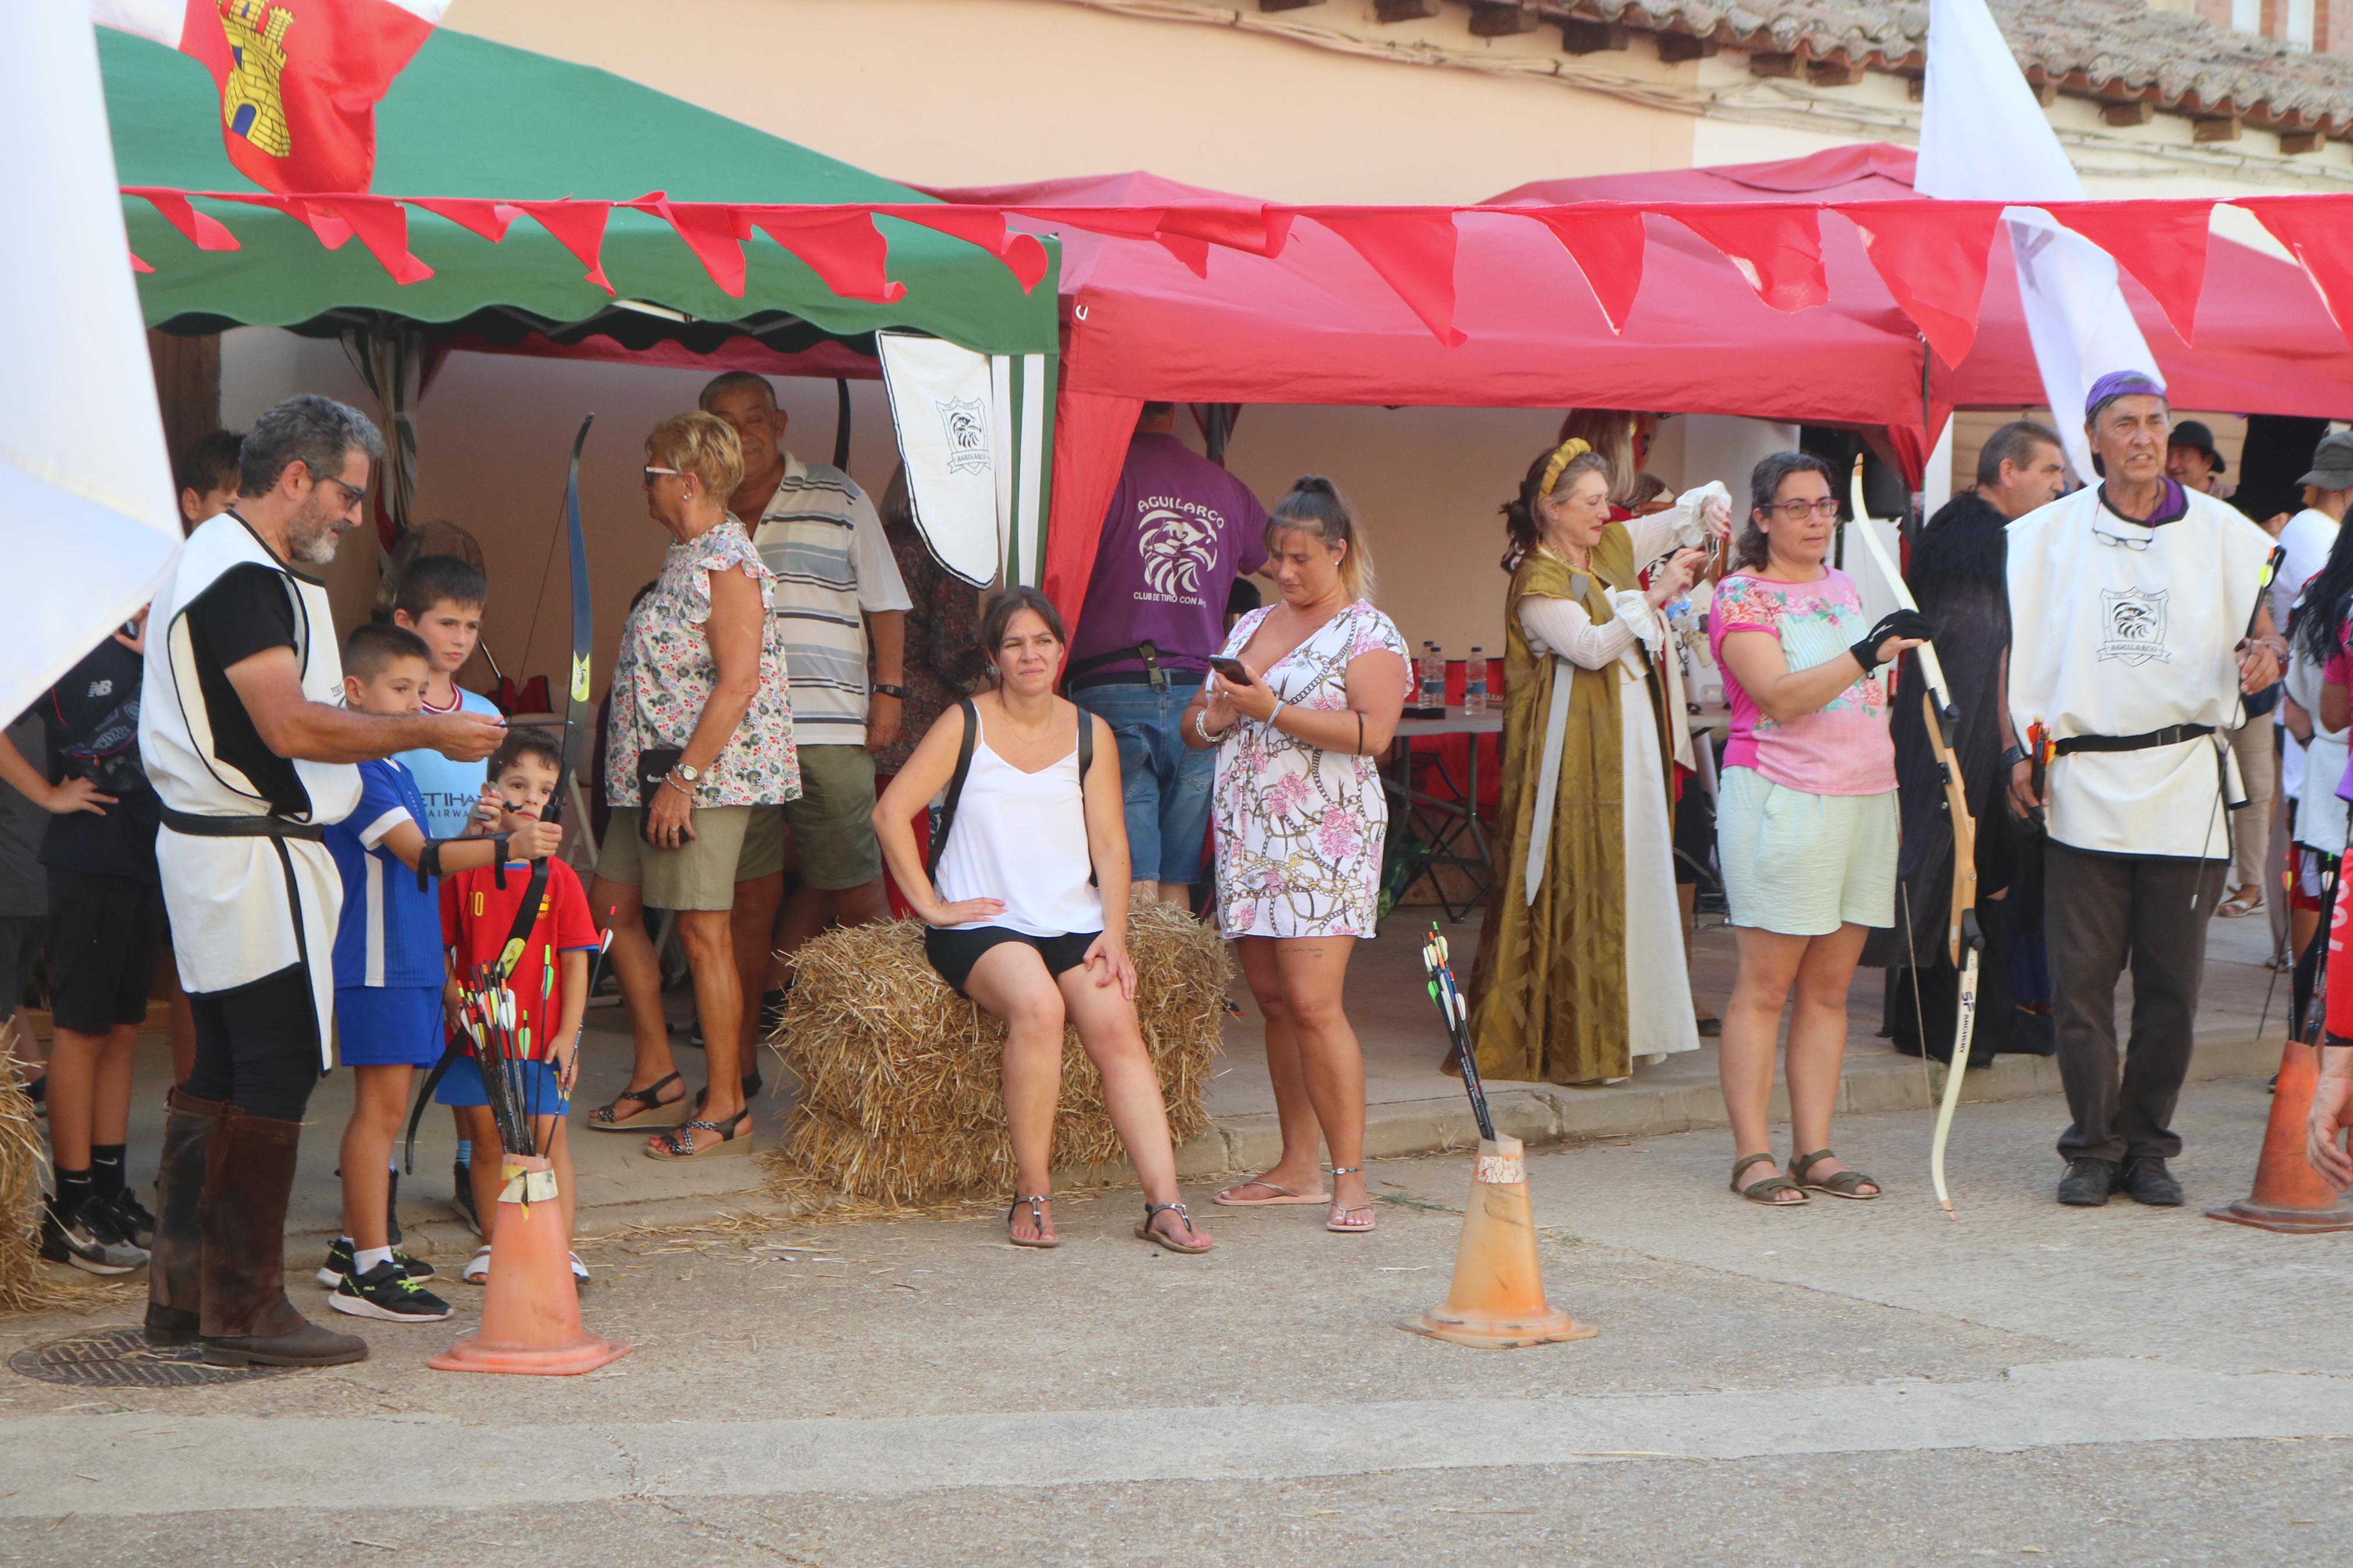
247, 1318
175, 1263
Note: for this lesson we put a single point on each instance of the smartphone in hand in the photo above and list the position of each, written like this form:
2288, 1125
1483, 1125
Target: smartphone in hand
1233, 669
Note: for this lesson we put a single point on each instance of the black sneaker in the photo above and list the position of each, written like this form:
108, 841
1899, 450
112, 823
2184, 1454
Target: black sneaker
384, 1291
131, 1217
88, 1238
339, 1260
2146, 1179
461, 1197
2088, 1183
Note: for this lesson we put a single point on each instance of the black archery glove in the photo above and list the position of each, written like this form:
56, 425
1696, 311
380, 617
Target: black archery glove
1895, 624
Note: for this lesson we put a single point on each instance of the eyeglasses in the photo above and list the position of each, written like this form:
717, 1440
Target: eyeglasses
2124, 541
651, 472
1795, 511
353, 497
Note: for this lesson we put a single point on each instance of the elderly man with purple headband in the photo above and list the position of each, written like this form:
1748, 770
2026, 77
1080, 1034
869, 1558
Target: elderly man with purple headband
2138, 621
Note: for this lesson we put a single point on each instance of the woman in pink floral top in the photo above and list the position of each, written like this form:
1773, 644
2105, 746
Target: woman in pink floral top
700, 735
1300, 818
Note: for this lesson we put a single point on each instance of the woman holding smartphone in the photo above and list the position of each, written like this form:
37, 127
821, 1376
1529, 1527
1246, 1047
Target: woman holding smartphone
1305, 697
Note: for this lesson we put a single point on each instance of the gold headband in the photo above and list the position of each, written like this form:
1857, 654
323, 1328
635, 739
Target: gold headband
1568, 450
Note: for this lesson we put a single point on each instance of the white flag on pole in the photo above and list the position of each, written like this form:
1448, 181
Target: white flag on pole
87, 520
1984, 138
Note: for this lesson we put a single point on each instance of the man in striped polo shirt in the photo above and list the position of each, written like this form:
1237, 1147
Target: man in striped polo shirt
837, 587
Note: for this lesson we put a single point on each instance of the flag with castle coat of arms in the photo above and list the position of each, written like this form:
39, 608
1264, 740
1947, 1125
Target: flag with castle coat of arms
298, 79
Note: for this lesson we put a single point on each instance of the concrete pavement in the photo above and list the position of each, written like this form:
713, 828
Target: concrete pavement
1844, 1383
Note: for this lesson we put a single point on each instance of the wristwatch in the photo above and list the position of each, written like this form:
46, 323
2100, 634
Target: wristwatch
882, 689
688, 773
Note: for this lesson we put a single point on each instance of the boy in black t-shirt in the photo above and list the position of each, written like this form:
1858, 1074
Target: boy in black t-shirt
106, 927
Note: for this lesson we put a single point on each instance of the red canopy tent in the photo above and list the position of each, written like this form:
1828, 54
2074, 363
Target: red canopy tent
1186, 321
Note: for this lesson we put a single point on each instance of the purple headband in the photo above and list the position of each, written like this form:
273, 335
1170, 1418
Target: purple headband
2119, 384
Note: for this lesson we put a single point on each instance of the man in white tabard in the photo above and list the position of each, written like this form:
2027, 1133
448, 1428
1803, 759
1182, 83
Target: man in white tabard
246, 739
2137, 622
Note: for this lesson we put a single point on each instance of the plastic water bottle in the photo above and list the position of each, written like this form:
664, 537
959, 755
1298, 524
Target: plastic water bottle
1433, 676
1474, 684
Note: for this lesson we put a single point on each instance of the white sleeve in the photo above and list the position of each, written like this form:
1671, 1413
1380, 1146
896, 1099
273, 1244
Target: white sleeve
880, 586
1562, 626
1679, 527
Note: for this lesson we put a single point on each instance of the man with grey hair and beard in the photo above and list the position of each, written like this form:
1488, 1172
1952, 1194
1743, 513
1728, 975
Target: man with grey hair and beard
246, 739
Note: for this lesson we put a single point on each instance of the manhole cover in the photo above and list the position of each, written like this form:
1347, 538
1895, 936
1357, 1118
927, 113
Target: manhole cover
121, 1358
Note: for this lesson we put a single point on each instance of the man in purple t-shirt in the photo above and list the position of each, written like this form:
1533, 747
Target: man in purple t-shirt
1179, 531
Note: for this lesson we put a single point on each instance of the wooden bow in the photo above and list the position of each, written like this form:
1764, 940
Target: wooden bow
1963, 942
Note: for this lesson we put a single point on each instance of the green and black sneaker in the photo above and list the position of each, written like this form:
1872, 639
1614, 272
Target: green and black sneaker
384, 1291
338, 1266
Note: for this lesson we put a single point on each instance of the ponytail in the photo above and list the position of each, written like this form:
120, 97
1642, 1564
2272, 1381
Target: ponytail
1315, 507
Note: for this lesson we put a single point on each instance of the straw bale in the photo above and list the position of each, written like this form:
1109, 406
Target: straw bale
900, 1102
25, 1285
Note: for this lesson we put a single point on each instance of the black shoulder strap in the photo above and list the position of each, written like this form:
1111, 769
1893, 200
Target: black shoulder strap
956, 786
1086, 743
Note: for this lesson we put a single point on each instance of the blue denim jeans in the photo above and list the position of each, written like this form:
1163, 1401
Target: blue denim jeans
1165, 782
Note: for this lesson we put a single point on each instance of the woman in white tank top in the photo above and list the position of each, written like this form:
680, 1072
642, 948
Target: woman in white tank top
1016, 919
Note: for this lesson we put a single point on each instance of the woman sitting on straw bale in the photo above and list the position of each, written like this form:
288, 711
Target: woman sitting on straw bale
1034, 822
1306, 696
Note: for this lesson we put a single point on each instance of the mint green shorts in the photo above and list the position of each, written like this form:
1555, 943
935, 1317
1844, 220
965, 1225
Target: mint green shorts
1804, 865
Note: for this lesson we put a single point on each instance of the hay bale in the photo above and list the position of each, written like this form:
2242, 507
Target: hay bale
900, 1101
25, 1285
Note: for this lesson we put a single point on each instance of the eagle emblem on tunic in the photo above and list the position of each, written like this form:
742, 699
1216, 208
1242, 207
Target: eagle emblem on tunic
2132, 624
253, 104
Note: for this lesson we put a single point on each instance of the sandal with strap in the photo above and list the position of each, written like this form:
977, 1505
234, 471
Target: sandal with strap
1041, 1241
1763, 1191
1144, 1232
1337, 1221
1838, 1183
678, 1143
607, 1116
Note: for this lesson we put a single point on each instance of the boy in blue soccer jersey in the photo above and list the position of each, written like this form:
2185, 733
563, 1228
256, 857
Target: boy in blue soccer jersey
389, 971
441, 598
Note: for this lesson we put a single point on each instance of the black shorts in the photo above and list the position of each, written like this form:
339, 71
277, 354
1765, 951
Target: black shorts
953, 952
104, 934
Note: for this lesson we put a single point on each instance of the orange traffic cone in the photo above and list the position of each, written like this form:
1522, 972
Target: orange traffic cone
1498, 1299
530, 1309
2289, 1194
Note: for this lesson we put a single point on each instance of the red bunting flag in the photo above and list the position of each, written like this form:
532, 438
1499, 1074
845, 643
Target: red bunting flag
715, 231
985, 226
2314, 229
1779, 250
1412, 248
298, 79
489, 219
2161, 243
1933, 258
382, 225
1606, 242
841, 245
579, 227
205, 233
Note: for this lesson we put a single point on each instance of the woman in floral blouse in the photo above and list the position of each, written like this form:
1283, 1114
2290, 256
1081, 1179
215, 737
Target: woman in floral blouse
1300, 817
702, 732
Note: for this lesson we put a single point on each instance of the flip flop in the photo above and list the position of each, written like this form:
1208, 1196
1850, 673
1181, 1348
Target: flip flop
2245, 902
1042, 1242
1287, 1198
1333, 1222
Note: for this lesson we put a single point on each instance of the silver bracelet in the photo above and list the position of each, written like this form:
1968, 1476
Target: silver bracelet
1280, 704
1201, 727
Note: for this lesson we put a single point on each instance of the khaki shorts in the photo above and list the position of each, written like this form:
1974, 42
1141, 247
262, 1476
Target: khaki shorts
699, 875
833, 821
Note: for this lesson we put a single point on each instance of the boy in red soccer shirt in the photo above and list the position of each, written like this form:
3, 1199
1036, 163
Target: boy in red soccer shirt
550, 981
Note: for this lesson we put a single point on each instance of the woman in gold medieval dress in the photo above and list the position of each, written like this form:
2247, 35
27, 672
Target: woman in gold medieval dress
1580, 968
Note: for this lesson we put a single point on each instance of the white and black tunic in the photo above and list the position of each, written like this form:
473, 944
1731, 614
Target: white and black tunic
247, 905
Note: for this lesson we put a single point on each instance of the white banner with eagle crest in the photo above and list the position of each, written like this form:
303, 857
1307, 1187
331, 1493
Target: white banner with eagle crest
972, 429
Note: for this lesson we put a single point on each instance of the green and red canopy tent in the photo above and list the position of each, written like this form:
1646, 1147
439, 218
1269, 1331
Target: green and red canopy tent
552, 209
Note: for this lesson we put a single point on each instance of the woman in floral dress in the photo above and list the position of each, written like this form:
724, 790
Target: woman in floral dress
1300, 817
